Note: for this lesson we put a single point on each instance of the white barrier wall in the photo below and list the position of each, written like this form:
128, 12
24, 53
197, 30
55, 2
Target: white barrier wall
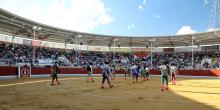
186, 49
5, 38
80, 47
98, 48
69, 46
157, 50
20, 40
120, 49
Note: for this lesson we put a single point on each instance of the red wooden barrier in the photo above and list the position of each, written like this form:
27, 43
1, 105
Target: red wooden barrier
192, 72
8, 71
40, 70
200, 72
47, 70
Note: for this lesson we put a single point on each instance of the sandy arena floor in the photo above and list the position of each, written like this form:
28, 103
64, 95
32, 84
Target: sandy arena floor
75, 93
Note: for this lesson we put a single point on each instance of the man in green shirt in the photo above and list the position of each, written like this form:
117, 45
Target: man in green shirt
164, 69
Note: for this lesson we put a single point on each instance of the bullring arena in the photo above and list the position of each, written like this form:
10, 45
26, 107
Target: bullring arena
76, 94
26, 83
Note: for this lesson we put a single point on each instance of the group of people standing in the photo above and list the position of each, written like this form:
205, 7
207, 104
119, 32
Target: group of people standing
142, 71
166, 72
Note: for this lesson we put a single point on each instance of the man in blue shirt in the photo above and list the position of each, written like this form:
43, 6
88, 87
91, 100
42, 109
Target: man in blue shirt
105, 74
134, 72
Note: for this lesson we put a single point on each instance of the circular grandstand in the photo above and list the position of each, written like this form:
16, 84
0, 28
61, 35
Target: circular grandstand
29, 49
14, 25
198, 51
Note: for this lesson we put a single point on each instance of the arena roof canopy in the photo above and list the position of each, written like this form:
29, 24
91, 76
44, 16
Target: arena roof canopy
19, 26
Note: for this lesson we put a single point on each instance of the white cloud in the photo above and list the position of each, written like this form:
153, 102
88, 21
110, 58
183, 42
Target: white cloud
78, 15
35, 8
131, 26
185, 30
157, 17
211, 29
140, 8
205, 2
57, 7
144, 2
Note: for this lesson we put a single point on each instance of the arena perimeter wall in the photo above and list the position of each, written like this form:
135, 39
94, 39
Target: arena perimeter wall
13, 71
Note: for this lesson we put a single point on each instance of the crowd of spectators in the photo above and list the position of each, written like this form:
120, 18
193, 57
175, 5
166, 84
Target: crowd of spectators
15, 54
184, 60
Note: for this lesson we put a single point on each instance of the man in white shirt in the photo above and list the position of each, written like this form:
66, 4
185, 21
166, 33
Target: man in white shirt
147, 72
173, 73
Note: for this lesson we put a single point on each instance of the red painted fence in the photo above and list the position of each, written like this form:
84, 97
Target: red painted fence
12, 70
8, 70
215, 73
46, 70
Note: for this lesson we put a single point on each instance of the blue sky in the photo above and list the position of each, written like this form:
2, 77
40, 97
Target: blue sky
117, 17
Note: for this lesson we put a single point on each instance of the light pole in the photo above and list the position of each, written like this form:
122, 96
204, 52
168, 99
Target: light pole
76, 55
193, 38
151, 53
34, 28
76, 48
109, 48
114, 51
12, 41
87, 47
131, 57
131, 53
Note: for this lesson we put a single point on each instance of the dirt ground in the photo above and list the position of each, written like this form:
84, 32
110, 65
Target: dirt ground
75, 93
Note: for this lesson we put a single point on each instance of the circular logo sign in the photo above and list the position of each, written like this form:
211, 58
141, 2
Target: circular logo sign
25, 72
